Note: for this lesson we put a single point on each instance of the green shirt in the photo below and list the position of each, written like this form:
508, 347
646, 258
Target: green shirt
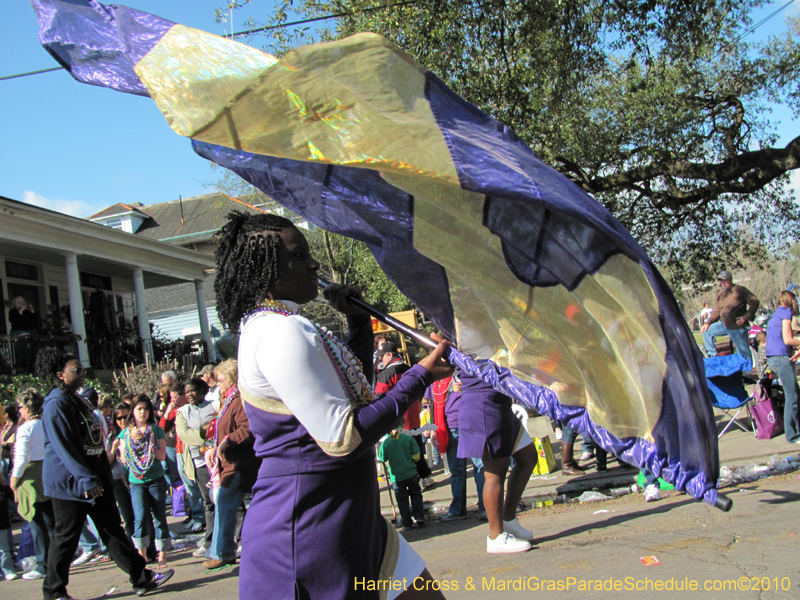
402, 455
156, 470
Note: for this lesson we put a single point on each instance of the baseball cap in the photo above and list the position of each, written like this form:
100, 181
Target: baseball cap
388, 347
725, 275
207, 370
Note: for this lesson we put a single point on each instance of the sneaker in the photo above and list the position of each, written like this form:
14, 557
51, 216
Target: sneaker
85, 557
437, 461
587, 456
558, 434
11, 577
652, 493
101, 557
194, 527
186, 521
426, 482
451, 517
420, 523
239, 551
199, 553
505, 543
482, 516
35, 574
157, 581
517, 530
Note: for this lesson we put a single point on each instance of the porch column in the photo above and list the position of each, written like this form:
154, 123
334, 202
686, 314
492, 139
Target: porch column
205, 332
76, 306
141, 315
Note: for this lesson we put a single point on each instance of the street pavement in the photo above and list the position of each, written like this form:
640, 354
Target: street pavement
582, 550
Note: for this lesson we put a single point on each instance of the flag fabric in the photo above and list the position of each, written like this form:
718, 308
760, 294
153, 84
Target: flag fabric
534, 280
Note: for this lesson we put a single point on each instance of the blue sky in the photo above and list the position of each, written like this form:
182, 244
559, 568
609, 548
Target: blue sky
77, 149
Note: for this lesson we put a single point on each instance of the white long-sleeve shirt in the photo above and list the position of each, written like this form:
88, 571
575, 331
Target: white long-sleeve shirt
28, 446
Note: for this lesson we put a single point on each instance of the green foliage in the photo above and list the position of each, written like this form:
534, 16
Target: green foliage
659, 108
12, 385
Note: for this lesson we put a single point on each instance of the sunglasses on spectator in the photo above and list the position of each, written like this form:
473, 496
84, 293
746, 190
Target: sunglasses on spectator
79, 370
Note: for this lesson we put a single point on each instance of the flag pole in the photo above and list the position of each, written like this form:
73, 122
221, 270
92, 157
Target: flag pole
415, 334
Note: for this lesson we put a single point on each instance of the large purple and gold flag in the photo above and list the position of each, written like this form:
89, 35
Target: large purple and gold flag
534, 280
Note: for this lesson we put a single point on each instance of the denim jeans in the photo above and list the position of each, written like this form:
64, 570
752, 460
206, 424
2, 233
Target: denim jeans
458, 477
6, 556
649, 478
229, 499
477, 466
785, 370
125, 505
739, 337
406, 490
90, 539
193, 490
568, 436
171, 467
150, 498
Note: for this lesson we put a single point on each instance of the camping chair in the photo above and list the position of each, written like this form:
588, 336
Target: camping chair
724, 375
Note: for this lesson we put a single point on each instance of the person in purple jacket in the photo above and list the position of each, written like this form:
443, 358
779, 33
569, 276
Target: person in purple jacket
781, 357
314, 528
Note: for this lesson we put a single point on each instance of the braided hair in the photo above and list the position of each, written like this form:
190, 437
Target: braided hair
49, 362
247, 263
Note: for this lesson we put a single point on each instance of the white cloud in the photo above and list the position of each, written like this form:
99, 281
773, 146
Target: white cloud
76, 208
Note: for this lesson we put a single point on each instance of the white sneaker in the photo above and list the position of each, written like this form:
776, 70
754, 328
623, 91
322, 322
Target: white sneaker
85, 557
517, 530
200, 553
558, 434
426, 482
11, 577
35, 574
586, 456
652, 493
505, 543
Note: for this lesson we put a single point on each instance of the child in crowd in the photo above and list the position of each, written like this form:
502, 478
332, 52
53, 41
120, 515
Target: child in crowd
401, 451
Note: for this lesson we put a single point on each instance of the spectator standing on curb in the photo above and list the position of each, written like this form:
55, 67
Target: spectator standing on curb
402, 453
188, 422
207, 375
734, 309
393, 369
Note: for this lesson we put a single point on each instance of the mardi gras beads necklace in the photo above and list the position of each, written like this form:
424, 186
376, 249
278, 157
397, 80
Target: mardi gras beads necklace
139, 450
347, 366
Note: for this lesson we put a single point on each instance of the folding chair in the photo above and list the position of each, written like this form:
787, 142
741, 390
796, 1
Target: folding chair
724, 375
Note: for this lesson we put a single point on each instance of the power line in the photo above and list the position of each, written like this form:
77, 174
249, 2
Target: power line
258, 30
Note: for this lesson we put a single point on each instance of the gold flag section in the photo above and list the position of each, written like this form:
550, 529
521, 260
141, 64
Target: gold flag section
603, 339
359, 101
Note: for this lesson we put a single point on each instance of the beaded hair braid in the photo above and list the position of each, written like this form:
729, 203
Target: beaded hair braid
247, 263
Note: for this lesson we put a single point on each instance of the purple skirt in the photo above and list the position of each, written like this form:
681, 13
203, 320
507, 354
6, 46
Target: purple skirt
310, 535
485, 421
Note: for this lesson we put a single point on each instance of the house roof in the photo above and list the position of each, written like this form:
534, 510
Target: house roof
46, 236
189, 220
117, 210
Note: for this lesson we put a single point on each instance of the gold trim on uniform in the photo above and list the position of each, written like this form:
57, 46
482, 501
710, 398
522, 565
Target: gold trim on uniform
270, 405
349, 442
391, 554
